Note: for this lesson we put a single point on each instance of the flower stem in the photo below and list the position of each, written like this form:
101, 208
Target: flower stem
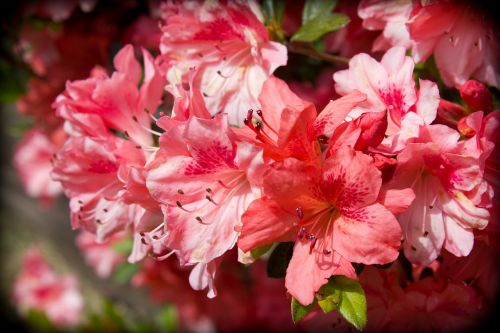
310, 52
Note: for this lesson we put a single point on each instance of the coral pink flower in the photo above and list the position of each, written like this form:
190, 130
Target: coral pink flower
451, 195
288, 126
38, 287
389, 16
205, 180
100, 103
331, 211
33, 163
100, 256
389, 85
229, 47
461, 38
427, 305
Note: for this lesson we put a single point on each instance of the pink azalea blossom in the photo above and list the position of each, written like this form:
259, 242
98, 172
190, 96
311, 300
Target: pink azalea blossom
461, 38
227, 45
452, 196
100, 256
33, 163
333, 214
99, 104
39, 288
288, 126
87, 170
422, 306
204, 180
389, 85
390, 17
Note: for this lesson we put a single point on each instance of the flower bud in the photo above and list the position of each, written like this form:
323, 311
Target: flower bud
476, 95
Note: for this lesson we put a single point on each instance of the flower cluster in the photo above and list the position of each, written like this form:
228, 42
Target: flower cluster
202, 149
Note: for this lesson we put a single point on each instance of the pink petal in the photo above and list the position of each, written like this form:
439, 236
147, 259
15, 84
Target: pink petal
459, 240
307, 272
370, 235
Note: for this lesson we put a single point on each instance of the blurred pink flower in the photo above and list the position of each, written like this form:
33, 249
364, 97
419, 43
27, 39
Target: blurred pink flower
32, 160
39, 288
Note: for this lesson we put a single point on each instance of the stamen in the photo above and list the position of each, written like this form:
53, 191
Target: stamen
209, 198
180, 191
300, 212
301, 233
178, 203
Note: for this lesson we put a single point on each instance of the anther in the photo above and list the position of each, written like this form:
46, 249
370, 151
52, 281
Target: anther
208, 189
105, 210
259, 112
180, 191
134, 118
98, 221
143, 241
327, 251
301, 233
300, 212
199, 219
426, 233
178, 203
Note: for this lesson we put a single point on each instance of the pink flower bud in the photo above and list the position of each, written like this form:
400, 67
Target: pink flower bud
449, 113
476, 95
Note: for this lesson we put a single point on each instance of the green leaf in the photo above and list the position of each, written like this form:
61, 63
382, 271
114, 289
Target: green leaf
329, 298
319, 26
260, 251
123, 246
167, 319
299, 310
279, 259
125, 272
314, 8
273, 10
40, 322
352, 300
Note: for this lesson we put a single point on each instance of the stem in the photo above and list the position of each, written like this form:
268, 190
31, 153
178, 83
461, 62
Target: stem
310, 52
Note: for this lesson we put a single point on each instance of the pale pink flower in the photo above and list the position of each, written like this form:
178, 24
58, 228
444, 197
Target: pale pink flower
100, 256
390, 17
452, 196
39, 288
227, 46
88, 172
32, 160
461, 38
333, 214
95, 106
204, 180
389, 85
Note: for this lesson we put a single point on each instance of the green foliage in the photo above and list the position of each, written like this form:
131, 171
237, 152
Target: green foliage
260, 251
340, 294
279, 259
167, 319
123, 246
299, 310
273, 14
314, 8
39, 321
320, 25
125, 272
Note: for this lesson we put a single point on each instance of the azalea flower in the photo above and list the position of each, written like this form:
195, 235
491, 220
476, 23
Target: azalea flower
389, 86
451, 195
38, 287
390, 17
227, 45
36, 149
460, 37
332, 213
204, 179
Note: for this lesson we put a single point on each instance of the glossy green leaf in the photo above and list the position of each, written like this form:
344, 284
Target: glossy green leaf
273, 10
352, 301
329, 298
319, 26
313, 8
299, 310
